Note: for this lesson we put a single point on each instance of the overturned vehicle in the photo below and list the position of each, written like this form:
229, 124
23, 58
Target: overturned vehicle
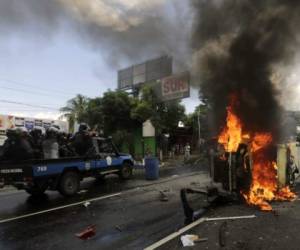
250, 167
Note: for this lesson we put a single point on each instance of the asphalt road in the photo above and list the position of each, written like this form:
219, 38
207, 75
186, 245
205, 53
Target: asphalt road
137, 217
276, 230
132, 220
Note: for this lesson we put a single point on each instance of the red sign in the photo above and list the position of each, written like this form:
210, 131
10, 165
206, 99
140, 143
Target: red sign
175, 87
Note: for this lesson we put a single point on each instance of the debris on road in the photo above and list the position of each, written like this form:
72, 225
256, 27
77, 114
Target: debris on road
86, 204
87, 233
201, 240
119, 228
189, 240
82, 191
222, 234
213, 196
163, 196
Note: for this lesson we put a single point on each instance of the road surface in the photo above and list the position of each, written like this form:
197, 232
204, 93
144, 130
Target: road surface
133, 218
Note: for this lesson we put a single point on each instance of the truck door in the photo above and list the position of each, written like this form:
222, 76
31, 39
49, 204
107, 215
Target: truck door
107, 155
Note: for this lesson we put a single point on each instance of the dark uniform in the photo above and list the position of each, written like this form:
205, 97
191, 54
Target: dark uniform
17, 146
36, 140
82, 141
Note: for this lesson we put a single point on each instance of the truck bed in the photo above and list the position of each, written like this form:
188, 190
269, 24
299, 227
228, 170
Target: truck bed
20, 171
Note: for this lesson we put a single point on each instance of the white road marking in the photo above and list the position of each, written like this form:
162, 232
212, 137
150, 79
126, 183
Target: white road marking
58, 208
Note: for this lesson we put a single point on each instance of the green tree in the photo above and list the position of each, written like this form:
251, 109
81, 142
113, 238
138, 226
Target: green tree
142, 111
118, 121
167, 117
116, 107
94, 114
202, 113
75, 110
164, 115
118, 114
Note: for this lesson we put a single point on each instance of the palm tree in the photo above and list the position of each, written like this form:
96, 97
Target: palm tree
75, 110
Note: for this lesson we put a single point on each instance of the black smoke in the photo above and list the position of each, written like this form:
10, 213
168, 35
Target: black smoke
238, 44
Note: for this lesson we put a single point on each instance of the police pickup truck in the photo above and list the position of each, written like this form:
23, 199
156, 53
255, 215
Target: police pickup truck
65, 174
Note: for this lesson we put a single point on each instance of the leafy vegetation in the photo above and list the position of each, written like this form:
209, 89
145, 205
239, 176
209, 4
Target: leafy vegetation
118, 114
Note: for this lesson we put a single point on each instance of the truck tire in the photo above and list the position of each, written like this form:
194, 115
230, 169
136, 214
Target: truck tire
69, 183
126, 171
37, 189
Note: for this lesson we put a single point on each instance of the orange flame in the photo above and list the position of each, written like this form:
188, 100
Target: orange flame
285, 194
231, 135
264, 187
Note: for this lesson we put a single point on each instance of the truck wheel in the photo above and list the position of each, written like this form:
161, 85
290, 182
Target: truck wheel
126, 171
37, 190
69, 184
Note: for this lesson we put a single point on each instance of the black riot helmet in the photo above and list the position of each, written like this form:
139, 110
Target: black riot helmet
37, 131
11, 133
83, 127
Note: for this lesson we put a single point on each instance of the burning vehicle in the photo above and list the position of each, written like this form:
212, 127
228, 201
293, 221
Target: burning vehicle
252, 165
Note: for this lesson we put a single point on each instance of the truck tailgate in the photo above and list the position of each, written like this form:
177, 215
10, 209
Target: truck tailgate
10, 172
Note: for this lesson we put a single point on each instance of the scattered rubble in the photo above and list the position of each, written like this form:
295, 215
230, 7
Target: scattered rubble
119, 228
163, 196
222, 234
86, 204
189, 240
87, 233
82, 191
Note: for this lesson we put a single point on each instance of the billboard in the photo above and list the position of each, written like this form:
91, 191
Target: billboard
29, 124
19, 122
148, 71
9, 121
175, 87
2, 136
125, 78
38, 123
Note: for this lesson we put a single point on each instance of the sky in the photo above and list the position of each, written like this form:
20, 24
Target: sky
39, 73
50, 75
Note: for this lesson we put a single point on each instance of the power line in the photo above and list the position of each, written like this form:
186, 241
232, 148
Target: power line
37, 87
28, 105
23, 110
36, 105
26, 91
52, 105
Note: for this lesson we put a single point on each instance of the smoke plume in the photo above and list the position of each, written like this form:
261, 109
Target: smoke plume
119, 30
238, 47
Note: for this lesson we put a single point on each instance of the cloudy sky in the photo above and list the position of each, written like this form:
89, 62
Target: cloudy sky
52, 50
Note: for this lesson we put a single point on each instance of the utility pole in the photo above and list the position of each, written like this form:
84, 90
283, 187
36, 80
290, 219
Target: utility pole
199, 127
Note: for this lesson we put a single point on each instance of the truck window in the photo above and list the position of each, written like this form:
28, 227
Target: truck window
105, 147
